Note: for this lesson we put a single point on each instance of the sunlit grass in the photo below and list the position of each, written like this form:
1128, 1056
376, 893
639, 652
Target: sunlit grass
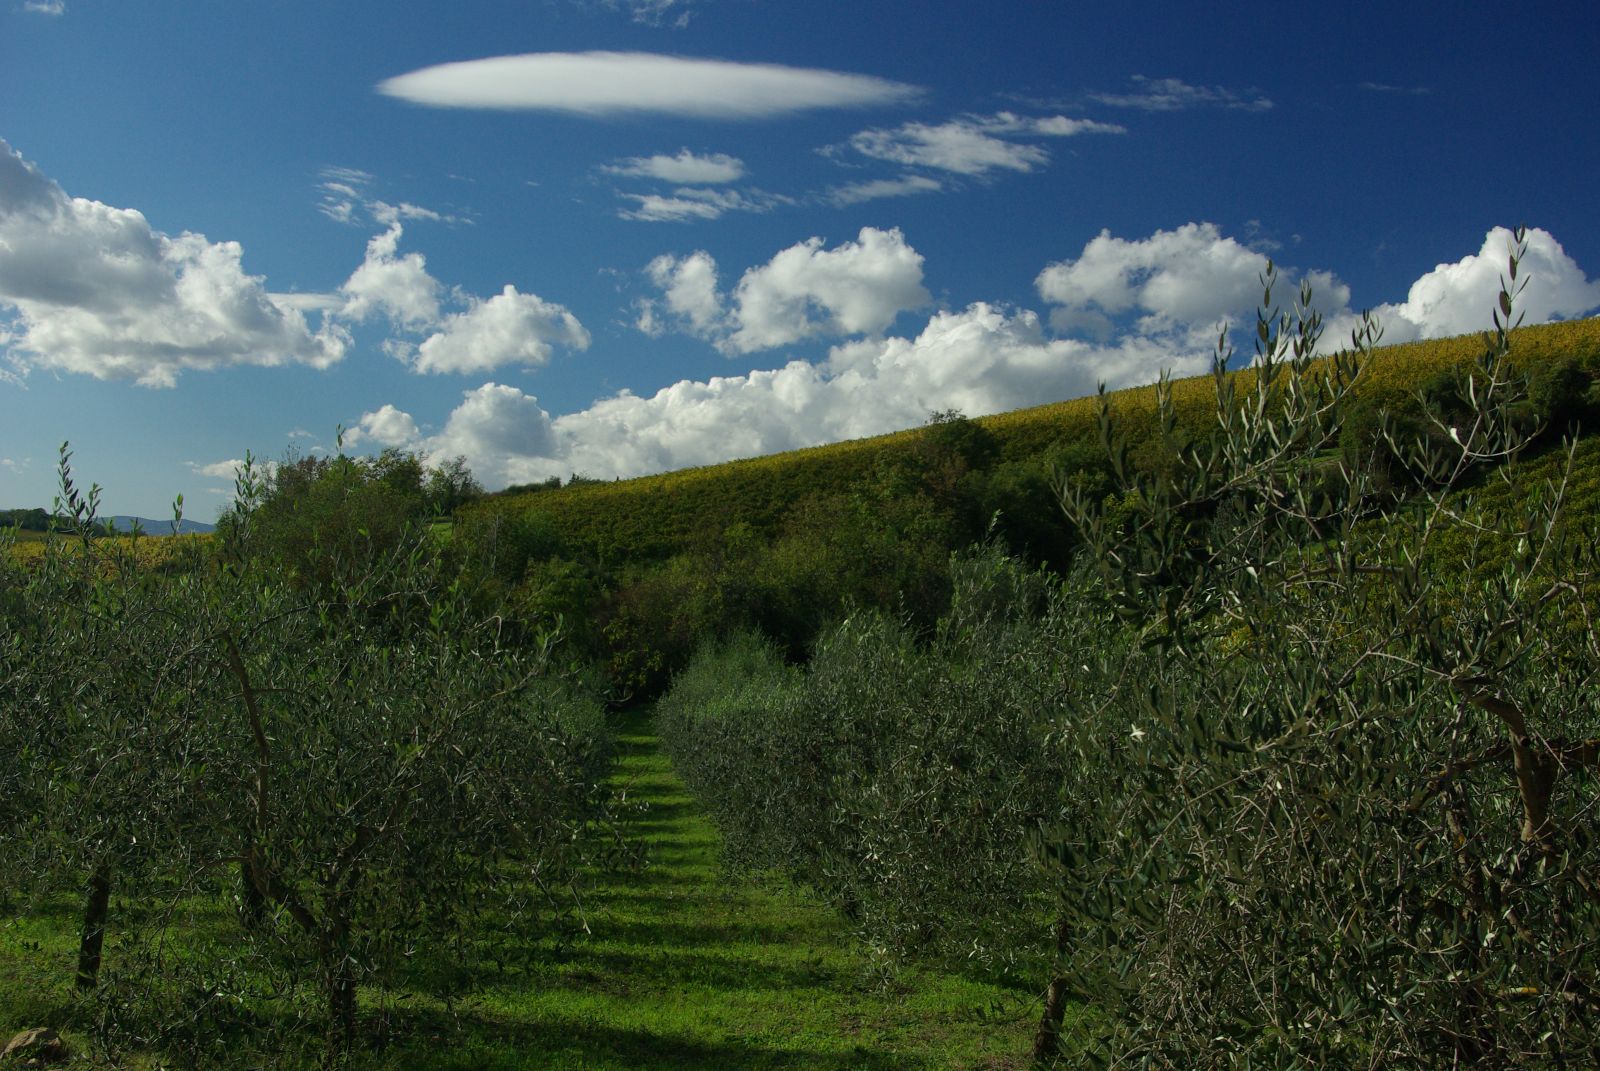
680, 968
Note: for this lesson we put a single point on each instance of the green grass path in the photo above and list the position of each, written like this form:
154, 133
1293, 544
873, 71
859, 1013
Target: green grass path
680, 968
684, 968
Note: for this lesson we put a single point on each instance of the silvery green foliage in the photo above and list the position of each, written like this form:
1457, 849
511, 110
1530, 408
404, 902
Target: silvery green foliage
897, 777
106, 719
1344, 807
366, 769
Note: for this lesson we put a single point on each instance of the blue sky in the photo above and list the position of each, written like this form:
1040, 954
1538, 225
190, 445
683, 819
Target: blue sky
620, 236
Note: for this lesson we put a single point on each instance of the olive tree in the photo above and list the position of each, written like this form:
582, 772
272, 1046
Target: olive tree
1338, 782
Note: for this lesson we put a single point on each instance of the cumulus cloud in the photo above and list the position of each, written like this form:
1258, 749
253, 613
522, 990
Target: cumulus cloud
981, 360
230, 469
1173, 95
597, 84
397, 286
494, 427
96, 290
45, 7
974, 145
1457, 298
386, 426
805, 291
1191, 275
1165, 292
509, 328
686, 168
1190, 279
905, 186
691, 203
689, 295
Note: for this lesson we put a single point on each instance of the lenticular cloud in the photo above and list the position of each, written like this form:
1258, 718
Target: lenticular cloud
621, 83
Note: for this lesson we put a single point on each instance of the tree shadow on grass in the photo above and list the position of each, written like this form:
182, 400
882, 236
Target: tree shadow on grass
436, 1042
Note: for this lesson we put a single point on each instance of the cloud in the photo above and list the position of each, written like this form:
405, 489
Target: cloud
974, 145
1410, 91
493, 428
96, 290
397, 286
1174, 95
689, 294
1191, 275
1458, 298
386, 426
344, 198
674, 13
45, 7
685, 168
229, 470
595, 84
1181, 284
805, 291
981, 360
906, 185
690, 203
509, 328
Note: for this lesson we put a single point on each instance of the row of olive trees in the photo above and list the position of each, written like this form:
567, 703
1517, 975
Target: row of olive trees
1293, 772
363, 765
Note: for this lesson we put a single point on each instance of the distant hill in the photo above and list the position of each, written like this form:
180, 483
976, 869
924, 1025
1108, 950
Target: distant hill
124, 523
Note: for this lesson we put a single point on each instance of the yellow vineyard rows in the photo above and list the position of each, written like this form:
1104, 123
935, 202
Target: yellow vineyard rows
149, 552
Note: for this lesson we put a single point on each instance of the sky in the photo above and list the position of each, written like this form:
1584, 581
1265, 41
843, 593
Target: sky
616, 237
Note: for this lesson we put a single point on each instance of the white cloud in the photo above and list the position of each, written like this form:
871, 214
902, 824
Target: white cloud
95, 290
229, 470
689, 293
494, 427
386, 426
982, 360
690, 203
857, 192
1458, 298
621, 83
397, 286
45, 7
509, 328
1172, 95
974, 145
1191, 275
685, 168
345, 198
805, 291
675, 13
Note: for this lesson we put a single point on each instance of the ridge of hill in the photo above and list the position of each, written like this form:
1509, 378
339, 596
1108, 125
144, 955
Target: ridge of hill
651, 518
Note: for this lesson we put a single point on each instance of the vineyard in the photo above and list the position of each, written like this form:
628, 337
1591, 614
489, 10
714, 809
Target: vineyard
1245, 721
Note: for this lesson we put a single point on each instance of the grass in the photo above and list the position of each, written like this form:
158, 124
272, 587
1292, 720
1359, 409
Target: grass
681, 968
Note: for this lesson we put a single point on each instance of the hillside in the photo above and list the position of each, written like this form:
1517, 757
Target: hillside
651, 518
